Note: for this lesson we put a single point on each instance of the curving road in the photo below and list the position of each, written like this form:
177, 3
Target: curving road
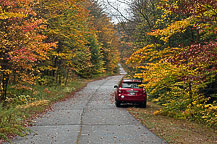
90, 117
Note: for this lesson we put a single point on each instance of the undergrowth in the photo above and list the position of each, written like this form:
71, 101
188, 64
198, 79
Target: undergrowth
20, 107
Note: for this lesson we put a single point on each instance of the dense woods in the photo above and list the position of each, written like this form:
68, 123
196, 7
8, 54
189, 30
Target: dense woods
45, 45
50, 42
174, 52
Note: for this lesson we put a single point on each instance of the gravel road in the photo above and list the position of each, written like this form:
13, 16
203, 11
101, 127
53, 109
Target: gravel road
90, 117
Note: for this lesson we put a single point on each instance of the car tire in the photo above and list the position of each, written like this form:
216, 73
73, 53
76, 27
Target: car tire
143, 104
117, 104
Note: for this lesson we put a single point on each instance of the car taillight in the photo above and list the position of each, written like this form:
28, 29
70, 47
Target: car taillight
122, 91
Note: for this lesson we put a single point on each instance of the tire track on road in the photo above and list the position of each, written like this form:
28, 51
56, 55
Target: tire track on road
86, 106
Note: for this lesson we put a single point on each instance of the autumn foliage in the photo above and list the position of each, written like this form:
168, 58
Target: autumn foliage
22, 45
179, 66
49, 42
46, 44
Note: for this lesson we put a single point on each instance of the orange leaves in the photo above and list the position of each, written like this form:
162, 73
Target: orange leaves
52, 38
22, 47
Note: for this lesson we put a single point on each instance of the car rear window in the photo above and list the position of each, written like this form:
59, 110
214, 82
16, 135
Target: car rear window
131, 85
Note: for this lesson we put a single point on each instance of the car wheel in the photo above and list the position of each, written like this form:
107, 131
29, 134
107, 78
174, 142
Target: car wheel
118, 104
143, 104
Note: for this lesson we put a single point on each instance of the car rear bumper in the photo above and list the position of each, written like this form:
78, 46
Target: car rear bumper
131, 99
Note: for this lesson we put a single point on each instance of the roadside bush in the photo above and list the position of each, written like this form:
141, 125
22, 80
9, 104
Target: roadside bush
11, 122
21, 99
193, 107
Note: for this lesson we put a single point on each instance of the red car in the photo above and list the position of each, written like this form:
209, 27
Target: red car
129, 91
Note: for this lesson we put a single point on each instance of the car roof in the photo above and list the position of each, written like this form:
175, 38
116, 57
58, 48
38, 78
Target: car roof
132, 80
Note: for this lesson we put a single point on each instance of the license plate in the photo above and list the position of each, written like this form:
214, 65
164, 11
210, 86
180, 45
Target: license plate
132, 93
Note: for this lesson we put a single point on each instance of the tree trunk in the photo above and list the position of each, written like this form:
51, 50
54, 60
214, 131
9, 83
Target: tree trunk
5, 79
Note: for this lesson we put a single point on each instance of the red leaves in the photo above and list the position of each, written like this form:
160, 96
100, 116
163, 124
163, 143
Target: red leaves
203, 57
30, 26
21, 44
22, 55
8, 3
201, 54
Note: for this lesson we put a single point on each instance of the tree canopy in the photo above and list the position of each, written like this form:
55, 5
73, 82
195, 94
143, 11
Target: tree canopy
46, 42
176, 56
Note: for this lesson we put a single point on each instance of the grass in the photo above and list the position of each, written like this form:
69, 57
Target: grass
172, 130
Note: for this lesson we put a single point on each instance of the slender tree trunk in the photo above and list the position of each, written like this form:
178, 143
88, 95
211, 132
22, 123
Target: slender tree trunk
60, 78
5, 76
198, 35
15, 78
5, 79
67, 76
190, 93
191, 98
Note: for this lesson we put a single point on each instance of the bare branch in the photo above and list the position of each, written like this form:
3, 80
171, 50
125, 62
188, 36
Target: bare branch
116, 9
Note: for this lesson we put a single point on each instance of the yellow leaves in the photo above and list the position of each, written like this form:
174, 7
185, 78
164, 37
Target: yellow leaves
173, 75
204, 117
34, 104
142, 54
151, 75
213, 107
150, 53
194, 102
208, 105
8, 15
210, 13
199, 105
155, 100
7, 71
157, 112
59, 54
176, 27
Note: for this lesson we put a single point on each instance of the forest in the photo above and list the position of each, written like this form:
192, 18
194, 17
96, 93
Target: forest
170, 44
45, 45
44, 42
